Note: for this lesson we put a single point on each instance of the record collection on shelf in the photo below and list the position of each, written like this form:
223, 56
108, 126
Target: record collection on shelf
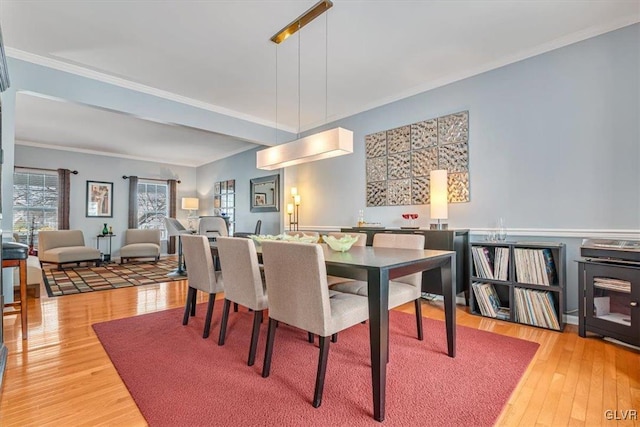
519, 282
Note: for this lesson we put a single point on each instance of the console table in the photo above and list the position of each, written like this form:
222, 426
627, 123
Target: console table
447, 240
106, 256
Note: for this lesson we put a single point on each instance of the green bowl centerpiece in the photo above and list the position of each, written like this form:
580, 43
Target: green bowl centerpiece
342, 244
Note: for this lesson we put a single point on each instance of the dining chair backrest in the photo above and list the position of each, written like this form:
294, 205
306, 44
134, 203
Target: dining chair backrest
401, 241
197, 255
362, 237
213, 226
296, 279
242, 278
174, 227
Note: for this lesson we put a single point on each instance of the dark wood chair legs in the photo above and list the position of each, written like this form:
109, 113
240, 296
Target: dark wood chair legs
187, 307
207, 321
223, 322
322, 370
310, 337
235, 307
193, 302
271, 334
418, 305
334, 338
257, 320
322, 359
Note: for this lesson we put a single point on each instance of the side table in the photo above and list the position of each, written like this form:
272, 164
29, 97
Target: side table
106, 256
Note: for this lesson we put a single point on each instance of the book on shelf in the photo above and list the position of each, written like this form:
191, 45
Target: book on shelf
535, 266
488, 301
612, 284
536, 308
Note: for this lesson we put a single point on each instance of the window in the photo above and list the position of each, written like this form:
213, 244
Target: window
35, 203
153, 206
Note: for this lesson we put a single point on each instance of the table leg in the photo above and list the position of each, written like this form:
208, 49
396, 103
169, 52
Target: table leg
378, 287
448, 272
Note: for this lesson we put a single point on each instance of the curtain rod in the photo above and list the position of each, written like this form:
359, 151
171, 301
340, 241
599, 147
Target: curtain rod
152, 179
42, 169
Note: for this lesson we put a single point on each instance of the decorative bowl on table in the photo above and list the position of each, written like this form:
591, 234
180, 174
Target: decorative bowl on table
342, 244
304, 238
259, 238
411, 217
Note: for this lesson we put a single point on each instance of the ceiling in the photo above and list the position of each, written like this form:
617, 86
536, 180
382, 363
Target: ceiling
217, 54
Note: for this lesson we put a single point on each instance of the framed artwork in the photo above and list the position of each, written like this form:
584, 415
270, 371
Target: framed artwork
265, 194
260, 199
99, 199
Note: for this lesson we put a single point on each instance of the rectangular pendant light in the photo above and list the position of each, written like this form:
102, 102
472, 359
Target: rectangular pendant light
302, 20
323, 145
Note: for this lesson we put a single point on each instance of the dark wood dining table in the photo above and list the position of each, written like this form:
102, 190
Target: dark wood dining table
377, 266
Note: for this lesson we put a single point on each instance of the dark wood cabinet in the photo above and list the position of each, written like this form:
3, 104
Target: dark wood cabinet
446, 240
609, 294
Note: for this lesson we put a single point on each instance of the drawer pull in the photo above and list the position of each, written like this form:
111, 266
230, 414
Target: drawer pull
633, 303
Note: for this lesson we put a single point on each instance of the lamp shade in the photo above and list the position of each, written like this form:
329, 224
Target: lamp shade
439, 194
322, 145
190, 203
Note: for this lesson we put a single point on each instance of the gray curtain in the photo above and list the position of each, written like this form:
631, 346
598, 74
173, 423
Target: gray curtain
64, 191
133, 202
173, 188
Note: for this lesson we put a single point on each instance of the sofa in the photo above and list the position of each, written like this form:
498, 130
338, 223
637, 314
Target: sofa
140, 244
64, 247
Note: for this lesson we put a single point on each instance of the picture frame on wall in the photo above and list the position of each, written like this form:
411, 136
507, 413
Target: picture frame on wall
260, 199
99, 199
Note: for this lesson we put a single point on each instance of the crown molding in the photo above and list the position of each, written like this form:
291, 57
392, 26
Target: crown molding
138, 87
98, 153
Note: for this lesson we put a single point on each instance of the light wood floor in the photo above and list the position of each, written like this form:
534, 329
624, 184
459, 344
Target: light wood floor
62, 376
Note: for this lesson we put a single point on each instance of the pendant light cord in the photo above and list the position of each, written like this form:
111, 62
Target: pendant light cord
276, 95
299, 37
326, 68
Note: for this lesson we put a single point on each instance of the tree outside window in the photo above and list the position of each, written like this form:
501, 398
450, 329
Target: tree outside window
35, 204
153, 206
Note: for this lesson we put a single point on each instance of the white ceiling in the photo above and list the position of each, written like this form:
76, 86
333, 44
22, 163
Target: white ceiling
218, 52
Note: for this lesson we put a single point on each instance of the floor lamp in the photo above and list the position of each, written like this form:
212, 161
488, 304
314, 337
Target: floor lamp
176, 229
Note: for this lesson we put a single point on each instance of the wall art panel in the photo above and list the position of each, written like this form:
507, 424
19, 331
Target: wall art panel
399, 161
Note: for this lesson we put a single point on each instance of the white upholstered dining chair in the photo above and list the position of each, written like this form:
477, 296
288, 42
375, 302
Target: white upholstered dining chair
362, 241
243, 285
296, 279
401, 290
202, 277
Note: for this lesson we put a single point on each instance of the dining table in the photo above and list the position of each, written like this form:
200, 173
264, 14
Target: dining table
378, 266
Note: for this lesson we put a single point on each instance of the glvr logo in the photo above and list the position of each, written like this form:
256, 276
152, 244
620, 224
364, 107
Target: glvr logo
621, 415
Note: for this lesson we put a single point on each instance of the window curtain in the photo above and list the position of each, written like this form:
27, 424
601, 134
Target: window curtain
133, 202
172, 184
64, 191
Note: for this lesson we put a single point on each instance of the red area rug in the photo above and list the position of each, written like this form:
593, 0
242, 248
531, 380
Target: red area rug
178, 378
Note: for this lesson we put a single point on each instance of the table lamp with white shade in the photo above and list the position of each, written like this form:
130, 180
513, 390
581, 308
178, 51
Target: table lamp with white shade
191, 204
439, 198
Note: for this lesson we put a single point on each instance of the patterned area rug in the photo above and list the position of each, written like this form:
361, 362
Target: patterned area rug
76, 280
